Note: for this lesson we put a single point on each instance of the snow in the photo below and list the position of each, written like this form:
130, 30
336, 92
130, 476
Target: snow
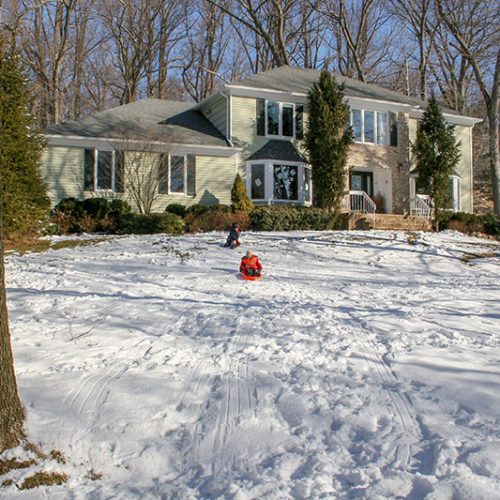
363, 365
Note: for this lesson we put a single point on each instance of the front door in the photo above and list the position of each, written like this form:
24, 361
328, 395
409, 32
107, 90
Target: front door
361, 181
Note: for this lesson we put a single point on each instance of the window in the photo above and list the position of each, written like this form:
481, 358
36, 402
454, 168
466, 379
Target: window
104, 173
273, 114
172, 174
163, 174
258, 191
177, 182
370, 126
455, 193
287, 120
285, 182
307, 185
280, 119
382, 125
357, 125
103, 170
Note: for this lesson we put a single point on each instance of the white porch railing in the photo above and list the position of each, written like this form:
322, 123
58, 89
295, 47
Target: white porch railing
359, 201
420, 205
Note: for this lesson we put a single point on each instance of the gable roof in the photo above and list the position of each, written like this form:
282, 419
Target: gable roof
300, 80
294, 80
278, 150
148, 119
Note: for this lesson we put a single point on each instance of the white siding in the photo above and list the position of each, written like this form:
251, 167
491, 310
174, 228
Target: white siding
62, 171
216, 111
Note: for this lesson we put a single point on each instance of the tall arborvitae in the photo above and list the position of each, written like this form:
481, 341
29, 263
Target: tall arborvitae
239, 196
436, 154
23, 199
327, 141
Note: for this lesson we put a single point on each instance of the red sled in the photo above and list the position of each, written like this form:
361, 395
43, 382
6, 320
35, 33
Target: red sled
250, 278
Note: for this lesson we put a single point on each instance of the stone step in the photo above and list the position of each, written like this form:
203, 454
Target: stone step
390, 222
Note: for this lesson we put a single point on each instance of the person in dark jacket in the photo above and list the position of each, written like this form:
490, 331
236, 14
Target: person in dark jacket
233, 239
250, 265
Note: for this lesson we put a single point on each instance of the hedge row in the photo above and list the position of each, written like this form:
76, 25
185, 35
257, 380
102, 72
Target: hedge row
296, 218
116, 216
470, 223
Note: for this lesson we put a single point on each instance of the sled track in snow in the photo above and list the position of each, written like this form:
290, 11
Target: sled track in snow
93, 390
401, 455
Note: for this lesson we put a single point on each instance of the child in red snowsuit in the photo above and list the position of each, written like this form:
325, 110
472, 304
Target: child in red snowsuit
250, 265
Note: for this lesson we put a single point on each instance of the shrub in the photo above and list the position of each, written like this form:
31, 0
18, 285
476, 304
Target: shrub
470, 223
94, 214
492, 225
119, 207
219, 219
295, 218
152, 223
97, 208
239, 197
203, 209
177, 209
70, 206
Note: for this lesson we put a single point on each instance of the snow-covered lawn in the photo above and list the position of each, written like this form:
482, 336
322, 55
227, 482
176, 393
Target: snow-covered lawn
363, 365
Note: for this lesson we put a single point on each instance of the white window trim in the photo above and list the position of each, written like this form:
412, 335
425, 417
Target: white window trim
457, 187
280, 120
113, 170
375, 126
269, 182
169, 176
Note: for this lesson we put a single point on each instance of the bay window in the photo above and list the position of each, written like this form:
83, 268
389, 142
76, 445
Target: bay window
257, 179
285, 185
273, 181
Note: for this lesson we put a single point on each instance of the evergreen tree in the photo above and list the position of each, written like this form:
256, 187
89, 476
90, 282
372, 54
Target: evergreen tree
23, 199
239, 196
327, 141
436, 154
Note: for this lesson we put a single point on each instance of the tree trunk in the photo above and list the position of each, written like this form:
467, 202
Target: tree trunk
11, 410
494, 154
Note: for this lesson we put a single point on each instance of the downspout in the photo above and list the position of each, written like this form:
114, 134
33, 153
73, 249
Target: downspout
471, 163
228, 119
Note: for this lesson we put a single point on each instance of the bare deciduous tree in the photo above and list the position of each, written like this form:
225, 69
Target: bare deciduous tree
142, 167
418, 18
482, 52
206, 50
46, 39
357, 27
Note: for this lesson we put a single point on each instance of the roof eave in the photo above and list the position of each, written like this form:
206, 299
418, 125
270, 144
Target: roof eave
112, 143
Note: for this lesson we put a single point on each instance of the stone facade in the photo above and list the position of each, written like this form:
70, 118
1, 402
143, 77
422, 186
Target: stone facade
401, 168
390, 166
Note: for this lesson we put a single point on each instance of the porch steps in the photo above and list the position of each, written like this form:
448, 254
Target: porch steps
390, 222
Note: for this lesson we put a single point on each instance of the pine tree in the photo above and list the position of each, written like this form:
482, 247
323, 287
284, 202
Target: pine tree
436, 154
23, 199
22, 203
239, 196
327, 141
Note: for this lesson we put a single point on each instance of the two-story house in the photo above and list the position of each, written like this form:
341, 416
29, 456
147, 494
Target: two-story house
253, 127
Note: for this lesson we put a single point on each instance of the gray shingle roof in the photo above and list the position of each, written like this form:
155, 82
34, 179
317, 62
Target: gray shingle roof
278, 150
148, 119
300, 80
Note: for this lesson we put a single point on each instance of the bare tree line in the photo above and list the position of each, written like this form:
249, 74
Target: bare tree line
87, 55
